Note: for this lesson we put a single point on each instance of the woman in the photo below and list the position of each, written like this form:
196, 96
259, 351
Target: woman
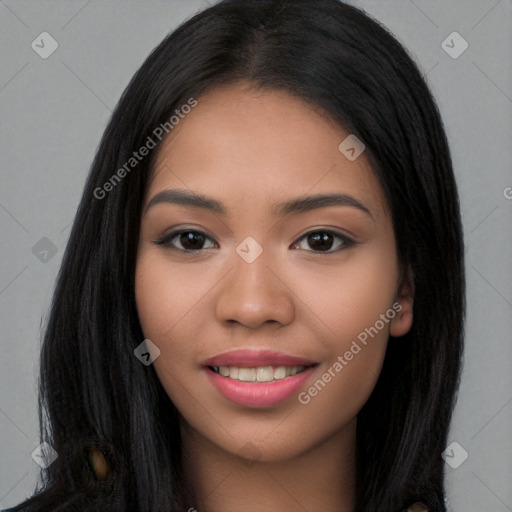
261, 303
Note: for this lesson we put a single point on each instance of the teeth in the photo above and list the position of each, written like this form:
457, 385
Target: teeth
246, 374
224, 371
264, 374
280, 372
258, 374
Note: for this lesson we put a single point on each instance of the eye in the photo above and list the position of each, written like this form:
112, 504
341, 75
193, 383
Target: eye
322, 241
189, 239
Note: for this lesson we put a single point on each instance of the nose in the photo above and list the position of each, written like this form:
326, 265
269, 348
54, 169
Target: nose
254, 294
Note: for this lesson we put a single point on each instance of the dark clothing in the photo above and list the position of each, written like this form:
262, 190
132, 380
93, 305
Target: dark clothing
414, 507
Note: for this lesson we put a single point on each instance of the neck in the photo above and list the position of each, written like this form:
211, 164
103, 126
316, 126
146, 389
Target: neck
323, 478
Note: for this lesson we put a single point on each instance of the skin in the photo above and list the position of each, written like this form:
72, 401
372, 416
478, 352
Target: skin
249, 149
99, 464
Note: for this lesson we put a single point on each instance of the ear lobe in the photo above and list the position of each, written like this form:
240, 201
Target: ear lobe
402, 322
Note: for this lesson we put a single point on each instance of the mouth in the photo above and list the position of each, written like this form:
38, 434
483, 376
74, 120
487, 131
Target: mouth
257, 374
257, 378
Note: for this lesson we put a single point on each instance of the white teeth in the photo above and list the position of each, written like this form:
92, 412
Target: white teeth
247, 374
224, 370
264, 374
258, 374
280, 373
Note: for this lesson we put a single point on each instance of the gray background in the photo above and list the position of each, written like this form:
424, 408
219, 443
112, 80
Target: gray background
54, 111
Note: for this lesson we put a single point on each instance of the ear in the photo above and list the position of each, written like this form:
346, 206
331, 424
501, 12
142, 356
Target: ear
404, 300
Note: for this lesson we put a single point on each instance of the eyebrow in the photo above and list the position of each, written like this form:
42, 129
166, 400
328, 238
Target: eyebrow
298, 205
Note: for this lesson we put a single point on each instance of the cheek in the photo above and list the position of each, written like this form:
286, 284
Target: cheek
165, 294
160, 305
171, 301
348, 298
356, 315
340, 390
163, 302
353, 309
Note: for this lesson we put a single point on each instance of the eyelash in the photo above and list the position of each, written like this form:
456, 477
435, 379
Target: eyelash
166, 240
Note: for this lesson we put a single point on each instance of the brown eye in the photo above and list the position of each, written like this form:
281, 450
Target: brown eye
324, 240
191, 240
185, 240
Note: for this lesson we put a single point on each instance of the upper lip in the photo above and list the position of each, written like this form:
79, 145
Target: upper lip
255, 358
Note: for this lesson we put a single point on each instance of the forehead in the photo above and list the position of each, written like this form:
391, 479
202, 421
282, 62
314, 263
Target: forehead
265, 146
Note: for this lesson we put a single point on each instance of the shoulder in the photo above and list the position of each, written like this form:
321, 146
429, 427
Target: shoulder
21, 507
65, 502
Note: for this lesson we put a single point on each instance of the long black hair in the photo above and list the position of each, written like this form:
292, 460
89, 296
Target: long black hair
95, 393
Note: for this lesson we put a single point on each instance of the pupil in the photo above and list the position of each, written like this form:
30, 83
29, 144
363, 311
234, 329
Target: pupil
320, 241
188, 239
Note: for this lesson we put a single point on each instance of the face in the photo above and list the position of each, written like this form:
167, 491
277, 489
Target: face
271, 306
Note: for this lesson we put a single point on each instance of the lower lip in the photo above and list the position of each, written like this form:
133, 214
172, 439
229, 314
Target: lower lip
258, 394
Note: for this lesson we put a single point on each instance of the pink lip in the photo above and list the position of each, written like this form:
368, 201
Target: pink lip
253, 358
258, 394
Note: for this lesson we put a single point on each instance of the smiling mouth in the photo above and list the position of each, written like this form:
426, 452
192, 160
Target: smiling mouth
258, 373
